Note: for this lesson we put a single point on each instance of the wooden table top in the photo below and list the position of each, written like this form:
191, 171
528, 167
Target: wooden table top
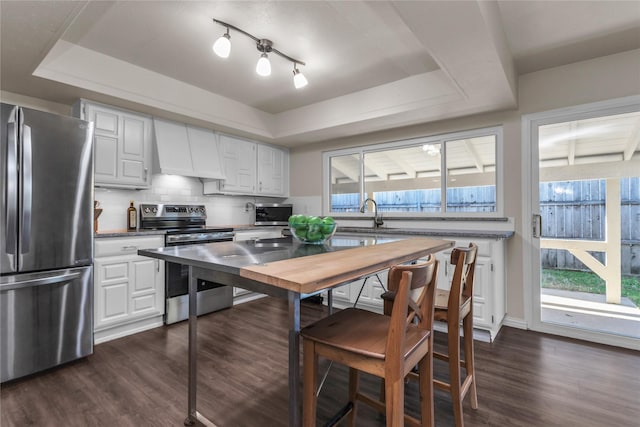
310, 274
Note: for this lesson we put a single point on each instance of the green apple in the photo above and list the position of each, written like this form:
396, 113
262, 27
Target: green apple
328, 224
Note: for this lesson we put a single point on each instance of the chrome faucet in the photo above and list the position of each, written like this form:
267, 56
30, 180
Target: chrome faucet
377, 220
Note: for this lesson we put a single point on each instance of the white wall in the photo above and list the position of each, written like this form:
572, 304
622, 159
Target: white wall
221, 210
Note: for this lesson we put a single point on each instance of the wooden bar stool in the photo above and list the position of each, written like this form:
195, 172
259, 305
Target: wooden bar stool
385, 346
454, 306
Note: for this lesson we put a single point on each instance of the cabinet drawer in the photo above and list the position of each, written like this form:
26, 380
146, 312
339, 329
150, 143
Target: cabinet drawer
257, 234
114, 246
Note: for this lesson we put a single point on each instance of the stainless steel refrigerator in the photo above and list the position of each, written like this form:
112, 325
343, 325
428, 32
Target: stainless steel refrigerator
46, 254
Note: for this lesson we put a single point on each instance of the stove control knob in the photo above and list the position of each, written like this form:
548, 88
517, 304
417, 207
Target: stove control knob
147, 210
154, 210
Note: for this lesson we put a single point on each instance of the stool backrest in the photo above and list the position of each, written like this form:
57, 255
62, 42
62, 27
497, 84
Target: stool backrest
415, 286
464, 260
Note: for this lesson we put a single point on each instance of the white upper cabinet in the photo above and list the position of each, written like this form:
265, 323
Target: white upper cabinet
251, 168
122, 145
239, 164
187, 151
271, 171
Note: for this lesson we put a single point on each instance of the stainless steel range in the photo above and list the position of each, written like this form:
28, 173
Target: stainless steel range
186, 225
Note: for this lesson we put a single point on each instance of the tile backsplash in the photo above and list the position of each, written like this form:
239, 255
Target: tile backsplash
221, 209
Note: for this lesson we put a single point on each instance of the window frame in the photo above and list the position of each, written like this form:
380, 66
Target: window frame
496, 131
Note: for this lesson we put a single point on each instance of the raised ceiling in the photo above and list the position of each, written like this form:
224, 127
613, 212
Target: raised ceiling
371, 65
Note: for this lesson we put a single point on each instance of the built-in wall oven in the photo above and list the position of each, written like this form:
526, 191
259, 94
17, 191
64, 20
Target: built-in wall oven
186, 225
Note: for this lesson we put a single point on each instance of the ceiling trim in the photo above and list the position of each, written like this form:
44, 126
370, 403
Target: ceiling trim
476, 75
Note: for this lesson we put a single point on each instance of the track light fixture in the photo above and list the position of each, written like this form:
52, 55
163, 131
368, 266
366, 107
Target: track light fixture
222, 48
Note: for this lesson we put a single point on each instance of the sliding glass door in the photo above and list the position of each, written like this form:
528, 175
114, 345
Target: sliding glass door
585, 234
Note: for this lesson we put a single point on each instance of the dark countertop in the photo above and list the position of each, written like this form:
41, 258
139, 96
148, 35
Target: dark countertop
403, 232
125, 233
231, 256
478, 234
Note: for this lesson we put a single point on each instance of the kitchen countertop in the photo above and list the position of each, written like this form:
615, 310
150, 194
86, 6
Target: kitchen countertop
478, 234
125, 233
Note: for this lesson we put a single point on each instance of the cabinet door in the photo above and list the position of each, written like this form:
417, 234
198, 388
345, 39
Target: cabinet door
370, 290
106, 142
483, 293
205, 155
482, 286
239, 164
343, 293
111, 291
145, 297
122, 147
135, 150
270, 171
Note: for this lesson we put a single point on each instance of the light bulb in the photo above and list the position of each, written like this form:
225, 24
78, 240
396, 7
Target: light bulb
299, 80
222, 46
263, 67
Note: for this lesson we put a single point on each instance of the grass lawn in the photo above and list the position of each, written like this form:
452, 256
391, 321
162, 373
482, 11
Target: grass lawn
582, 281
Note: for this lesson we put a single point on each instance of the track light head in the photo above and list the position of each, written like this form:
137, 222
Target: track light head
299, 80
263, 67
222, 46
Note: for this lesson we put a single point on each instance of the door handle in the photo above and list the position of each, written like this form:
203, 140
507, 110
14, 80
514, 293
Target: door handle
27, 189
11, 188
536, 226
39, 281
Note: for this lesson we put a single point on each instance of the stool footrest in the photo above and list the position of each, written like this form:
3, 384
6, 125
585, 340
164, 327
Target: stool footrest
343, 412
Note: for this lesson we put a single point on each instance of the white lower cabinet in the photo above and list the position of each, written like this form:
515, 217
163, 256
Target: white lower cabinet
128, 288
489, 305
488, 291
363, 293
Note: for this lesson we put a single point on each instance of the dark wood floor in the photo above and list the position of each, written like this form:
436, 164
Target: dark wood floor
524, 379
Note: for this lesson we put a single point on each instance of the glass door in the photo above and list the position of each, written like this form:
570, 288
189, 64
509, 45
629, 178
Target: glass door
585, 235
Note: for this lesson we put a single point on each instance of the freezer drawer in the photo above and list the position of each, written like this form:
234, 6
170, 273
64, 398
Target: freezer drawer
45, 319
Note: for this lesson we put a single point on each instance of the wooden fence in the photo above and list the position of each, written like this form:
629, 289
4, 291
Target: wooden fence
460, 199
576, 210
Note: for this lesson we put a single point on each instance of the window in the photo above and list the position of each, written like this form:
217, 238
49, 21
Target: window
448, 174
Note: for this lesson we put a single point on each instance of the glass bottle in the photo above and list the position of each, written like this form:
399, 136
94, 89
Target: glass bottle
132, 217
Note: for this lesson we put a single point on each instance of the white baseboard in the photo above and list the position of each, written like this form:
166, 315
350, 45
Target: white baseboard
119, 331
247, 297
514, 322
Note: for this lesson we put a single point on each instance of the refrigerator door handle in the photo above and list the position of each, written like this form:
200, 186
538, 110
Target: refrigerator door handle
11, 189
26, 190
39, 281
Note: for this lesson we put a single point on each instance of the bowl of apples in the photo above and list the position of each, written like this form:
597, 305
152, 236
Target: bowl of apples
313, 230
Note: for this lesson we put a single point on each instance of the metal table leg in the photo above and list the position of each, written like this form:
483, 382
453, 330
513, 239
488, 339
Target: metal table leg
193, 350
193, 415
295, 413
